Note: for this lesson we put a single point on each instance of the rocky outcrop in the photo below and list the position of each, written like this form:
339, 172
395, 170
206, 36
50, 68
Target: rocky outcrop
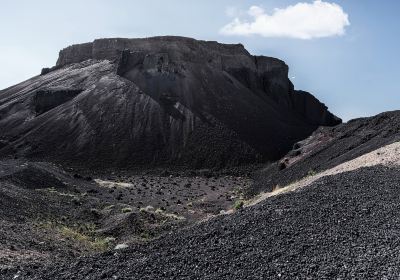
75, 53
311, 108
156, 101
46, 99
179, 48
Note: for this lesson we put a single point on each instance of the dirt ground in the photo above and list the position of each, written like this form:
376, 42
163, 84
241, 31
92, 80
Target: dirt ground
47, 213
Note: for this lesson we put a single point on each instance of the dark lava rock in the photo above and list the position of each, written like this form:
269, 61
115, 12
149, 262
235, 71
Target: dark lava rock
341, 227
46, 99
45, 71
329, 147
157, 101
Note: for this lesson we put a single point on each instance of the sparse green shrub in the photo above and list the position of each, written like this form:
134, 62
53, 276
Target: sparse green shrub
312, 172
81, 234
73, 234
97, 244
110, 239
238, 204
145, 235
101, 244
109, 207
148, 208
126, 210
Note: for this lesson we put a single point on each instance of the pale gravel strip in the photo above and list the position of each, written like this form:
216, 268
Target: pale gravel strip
388, 155
111, 184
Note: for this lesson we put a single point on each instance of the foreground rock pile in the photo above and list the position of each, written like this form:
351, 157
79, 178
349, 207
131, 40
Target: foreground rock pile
343, 226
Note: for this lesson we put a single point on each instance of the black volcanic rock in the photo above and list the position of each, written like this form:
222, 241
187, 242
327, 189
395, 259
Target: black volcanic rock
47, 99
344, 226
133, 102
328, 147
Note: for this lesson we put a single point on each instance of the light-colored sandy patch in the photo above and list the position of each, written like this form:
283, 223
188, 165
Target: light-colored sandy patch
388, 155
111, 184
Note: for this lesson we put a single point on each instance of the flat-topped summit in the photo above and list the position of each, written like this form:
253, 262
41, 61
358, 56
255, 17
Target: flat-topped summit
176, 46
159, 100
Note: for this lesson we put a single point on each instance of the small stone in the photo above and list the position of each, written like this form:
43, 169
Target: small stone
121, 246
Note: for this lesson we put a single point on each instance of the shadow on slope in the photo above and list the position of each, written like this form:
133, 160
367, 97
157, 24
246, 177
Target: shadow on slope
329, 147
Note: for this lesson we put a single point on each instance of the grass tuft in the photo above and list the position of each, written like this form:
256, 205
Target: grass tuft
238, 204
312, 172
126, 210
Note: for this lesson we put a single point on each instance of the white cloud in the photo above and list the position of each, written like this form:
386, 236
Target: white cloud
301, 21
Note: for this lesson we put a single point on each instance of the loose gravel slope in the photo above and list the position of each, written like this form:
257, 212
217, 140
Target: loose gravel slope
388, 155
342, 226
328, 148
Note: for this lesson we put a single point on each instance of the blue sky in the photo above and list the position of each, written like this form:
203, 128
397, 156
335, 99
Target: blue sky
355, 74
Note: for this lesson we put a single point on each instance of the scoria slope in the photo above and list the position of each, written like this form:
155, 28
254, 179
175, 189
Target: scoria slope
329, 147
157, 101
340, 221
343, 225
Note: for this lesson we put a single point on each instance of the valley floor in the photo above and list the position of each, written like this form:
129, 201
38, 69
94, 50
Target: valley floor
340, 223
343, 226
48, 214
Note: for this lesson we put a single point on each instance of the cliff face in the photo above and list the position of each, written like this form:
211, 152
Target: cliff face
156, 101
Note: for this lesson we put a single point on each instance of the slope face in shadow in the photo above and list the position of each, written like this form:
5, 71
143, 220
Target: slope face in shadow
158, 101
329, 147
